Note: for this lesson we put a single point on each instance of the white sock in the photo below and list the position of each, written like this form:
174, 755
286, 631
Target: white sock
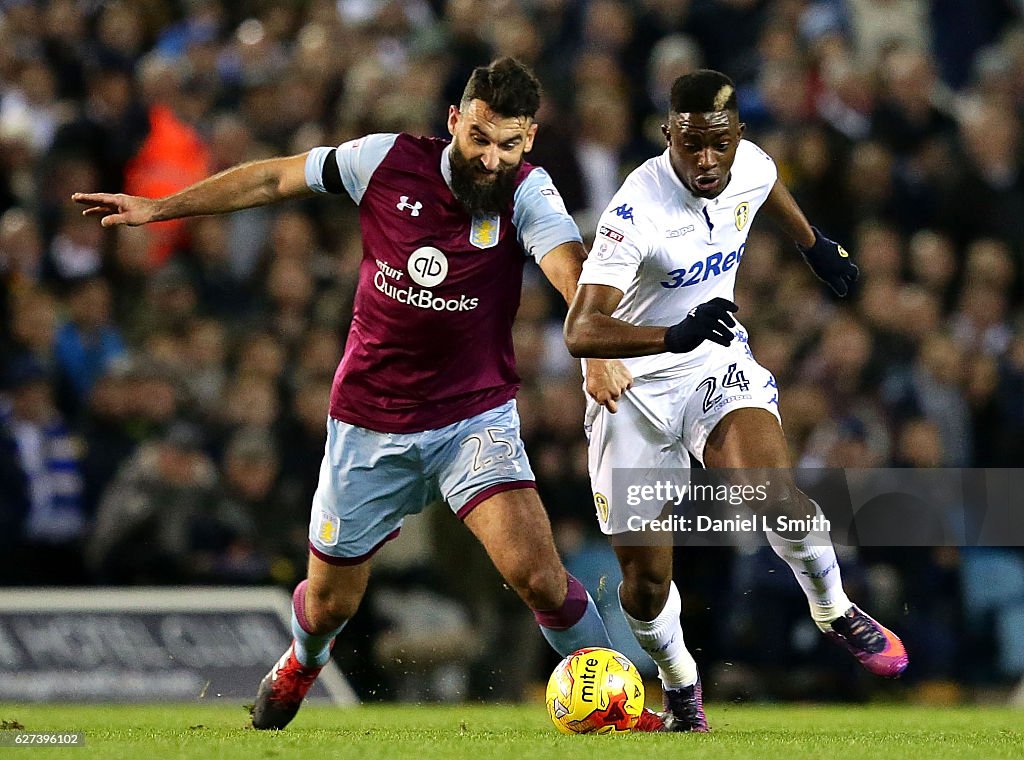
813, 561
662, 639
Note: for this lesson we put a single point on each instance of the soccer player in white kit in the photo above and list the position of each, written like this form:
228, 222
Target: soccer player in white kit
656, 291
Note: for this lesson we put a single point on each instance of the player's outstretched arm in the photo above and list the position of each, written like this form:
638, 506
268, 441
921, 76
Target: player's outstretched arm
829, 260
252, 184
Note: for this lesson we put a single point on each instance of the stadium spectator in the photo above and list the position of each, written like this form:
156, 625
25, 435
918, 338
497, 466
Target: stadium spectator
107, 434
21, 252
149, 516
44, 481
206, 355
247, 536
303, 436
33, 327
932, 388
89, 341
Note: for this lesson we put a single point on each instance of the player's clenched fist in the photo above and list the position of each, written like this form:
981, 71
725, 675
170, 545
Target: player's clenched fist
607, 380
831, 263
709, 321
115, 209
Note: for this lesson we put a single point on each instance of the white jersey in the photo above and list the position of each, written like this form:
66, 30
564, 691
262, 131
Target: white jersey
668, 250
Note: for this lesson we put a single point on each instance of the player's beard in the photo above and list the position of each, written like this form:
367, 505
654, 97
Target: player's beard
479, 195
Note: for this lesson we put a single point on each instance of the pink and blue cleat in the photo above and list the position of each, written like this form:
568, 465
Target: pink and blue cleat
877, 648
684, 711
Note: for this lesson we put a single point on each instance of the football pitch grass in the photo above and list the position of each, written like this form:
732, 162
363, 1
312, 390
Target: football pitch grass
520, 731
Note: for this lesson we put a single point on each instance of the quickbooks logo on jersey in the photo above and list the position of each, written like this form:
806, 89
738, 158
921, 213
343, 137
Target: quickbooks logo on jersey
427, 267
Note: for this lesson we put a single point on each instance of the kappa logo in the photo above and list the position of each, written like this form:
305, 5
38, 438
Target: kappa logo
624, 212
404, 205
742, 215
679, 232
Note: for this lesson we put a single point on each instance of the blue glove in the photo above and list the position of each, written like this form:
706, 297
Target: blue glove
709, 321
831, 263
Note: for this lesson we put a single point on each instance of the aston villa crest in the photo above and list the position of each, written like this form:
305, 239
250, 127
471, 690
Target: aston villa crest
485, 231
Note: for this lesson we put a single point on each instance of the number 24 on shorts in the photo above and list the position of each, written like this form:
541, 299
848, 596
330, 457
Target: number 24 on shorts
731, 379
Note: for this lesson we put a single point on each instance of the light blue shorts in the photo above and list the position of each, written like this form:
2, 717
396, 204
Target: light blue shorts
370, 481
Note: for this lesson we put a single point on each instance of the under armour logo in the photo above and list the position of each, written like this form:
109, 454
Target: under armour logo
404, 204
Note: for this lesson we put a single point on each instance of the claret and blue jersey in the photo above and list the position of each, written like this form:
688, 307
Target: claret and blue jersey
431, 335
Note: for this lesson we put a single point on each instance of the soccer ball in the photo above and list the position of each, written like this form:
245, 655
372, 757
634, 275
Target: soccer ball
595, 691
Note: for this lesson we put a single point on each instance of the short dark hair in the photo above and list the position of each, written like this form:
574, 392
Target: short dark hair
506, 85
703, 91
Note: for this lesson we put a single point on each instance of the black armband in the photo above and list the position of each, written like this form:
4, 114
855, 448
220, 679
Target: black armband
332, 174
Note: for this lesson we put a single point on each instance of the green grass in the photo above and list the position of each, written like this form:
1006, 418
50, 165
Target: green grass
522, 731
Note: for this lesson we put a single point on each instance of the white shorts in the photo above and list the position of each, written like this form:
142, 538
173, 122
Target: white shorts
659, 422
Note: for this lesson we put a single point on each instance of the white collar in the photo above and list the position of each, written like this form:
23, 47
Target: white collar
446, 165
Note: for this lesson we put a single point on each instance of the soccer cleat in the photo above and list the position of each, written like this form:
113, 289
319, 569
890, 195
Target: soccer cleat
649, 722
877, 648
684, 709
281, 692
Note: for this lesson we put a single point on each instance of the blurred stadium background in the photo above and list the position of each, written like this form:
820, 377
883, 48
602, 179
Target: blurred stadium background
164, 389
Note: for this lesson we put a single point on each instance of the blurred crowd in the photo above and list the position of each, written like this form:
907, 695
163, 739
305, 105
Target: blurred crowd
164, 389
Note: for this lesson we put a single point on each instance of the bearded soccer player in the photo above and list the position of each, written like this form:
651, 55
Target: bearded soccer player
423, 402
657, 291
